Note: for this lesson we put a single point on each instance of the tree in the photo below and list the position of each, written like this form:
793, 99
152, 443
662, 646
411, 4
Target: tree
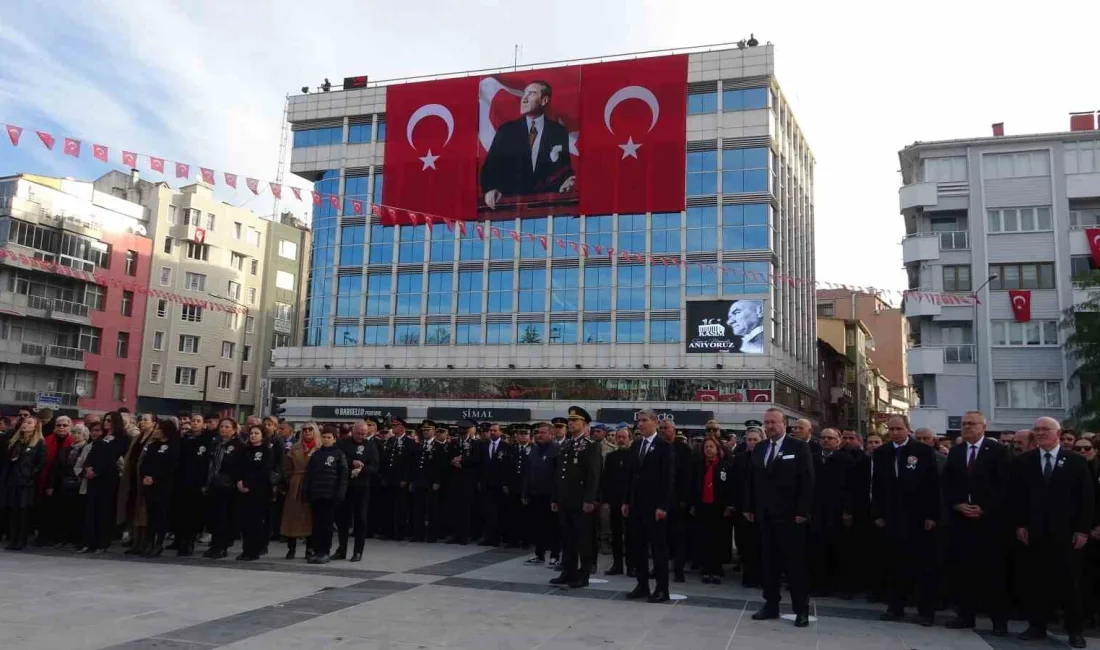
1082, 322
530, 334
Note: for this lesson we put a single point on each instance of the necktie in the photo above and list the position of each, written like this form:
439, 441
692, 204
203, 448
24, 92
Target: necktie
645, 448
532, 135
970, 460
1048, 467
897, 460
771, 454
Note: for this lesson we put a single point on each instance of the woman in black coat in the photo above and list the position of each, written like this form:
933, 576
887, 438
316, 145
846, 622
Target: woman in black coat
712, 504
252, 471
325, 485
156, 468
65, 480
101, 474
25, 458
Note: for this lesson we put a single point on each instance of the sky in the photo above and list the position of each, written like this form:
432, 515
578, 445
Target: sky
204, 81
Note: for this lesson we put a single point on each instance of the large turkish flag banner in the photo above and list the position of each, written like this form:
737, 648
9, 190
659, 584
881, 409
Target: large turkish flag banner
431, 150
633, 138
1021, 304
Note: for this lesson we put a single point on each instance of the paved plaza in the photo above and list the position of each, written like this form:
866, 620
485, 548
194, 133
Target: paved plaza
405, 597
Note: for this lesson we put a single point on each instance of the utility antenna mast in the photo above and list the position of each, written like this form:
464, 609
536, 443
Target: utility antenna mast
283, 128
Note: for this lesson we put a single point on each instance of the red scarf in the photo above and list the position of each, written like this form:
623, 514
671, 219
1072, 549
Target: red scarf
308, 446
708, 480
53, 449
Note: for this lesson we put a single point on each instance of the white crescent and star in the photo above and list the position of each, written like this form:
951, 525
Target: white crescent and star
1019, 301
630, 148
1096, 240
761, 398
428, 110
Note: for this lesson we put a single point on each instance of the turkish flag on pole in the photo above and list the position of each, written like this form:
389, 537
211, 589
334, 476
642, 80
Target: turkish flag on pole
316, 198
99, 152
72, 148
431, 149
1021, 304
129, 158
157, 164
633, 142
46, 139
1093, 235
207, 176
14, 132
357, 206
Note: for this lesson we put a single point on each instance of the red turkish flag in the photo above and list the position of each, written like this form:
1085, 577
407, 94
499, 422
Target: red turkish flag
253, 185
376, 210
129, 158
633, 140
99, 152
297, 192
357, 206
14, 132
759, 395
316, 198
431, 149
277, 190
334, 201
46, 139
157, 164
1093, 235
1021, 304
72, 148
207, 176
182, 170
231, 180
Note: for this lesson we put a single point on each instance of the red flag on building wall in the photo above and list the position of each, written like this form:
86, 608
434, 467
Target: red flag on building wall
1021, 304
1093, 235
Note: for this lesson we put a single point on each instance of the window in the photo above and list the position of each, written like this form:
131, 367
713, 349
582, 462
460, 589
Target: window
162, 308
236, 260
500, 292
200, 252
443, 244
664, 287
189, 344
957, 278
702, 228
1019, 219
118, 384
597, 234
243, 386
281, 341
705, 102
173, 215
406, 335
744, 99
252, 295
85, 381
701, 281
237, 230
532, 290
324, 136
349, 291
410, 286
227, 349
529, 333
632, 233
1081, 266
253, 237
826, 310
253, 267
629, 331
381, 244
185, 376
745, 227
944, 170
1082, 157
745, 277
1021, 276
533, 248
376, 335
250, 324
194, 281
246, 353
440, 292
154, 373
282, 311
345, 335
165, 276
1078, 218
232, 320
664, 331
563, 290
469, 292
597, 332
288, 249
192, 217
191, 313
122, 345
1015, 165
127, 303
380, 130
503, 248
631, 290
567, 230
131, 263
563, 333
470, 246
284, 280
744, 170
359, 133
168, 245
498, 334
438, 334
411, 246
379, 289
209, 220
468, 334
225, 380
233, 290
665, 233
597, 288
95, 296
158, 340
1031, 333
1028, 394
702, 174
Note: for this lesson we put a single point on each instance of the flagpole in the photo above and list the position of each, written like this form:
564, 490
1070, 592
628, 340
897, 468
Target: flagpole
978, 350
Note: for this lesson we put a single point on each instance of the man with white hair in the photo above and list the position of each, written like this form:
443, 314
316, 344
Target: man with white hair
50, 525
1051, 490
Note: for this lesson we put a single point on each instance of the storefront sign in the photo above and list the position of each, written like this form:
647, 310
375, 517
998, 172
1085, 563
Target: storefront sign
358, 412
681, 418
447, 414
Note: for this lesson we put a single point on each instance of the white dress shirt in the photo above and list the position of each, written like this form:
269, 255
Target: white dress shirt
773, 449
1053, 457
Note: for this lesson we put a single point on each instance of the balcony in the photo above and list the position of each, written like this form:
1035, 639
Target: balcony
955, 240
925, 360
58, 308
964, 353
32, 396
1083, 186
42, 354
920, 247
916, 307
917, 195
929, 417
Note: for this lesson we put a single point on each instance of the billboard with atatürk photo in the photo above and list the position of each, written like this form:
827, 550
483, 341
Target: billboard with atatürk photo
735, 326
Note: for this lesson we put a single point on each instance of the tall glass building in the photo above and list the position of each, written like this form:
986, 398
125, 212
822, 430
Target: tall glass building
427, 321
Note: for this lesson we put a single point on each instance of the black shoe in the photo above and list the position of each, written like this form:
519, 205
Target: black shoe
209, 553
615, 570
245, 557
82, 550
960, 623
310, 555
1033, 633
927, 621
706, 579
1000, 628
156, 551
356, 557
560, 581
890, 616
174, 546
291, 553
766, 613
679, 577
715, 580
133, 550
99, 551
638, 593
534, 560
1076, 641
320, 559
801, 620
263, 551
218, 554
579, 583
631, 573
185, 551
340, 554
658, 597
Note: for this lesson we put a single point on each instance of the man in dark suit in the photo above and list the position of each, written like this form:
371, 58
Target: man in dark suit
651, 495
528, 155
905, 506
679, 517
974, 482
493, 470
746, 533
613, 490
1052, 494
831, 519
576, 489
779, 499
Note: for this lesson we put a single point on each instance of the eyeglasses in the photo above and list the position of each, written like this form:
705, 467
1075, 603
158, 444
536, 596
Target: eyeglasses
1082, 448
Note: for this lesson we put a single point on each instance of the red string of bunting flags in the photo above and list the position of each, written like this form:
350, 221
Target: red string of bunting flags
359, 206
104, 279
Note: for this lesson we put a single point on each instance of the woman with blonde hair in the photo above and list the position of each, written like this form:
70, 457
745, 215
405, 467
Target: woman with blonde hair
297, 516
23, 464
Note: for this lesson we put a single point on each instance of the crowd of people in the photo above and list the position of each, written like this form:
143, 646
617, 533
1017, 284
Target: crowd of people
1003, 526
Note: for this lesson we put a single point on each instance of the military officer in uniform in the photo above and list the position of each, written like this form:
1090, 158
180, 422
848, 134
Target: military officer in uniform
561, 429
576, 490
464, 454
426, 485
398, 463
362, 458
517, 528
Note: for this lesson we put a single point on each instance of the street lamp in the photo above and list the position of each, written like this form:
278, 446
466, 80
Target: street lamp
977, 347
